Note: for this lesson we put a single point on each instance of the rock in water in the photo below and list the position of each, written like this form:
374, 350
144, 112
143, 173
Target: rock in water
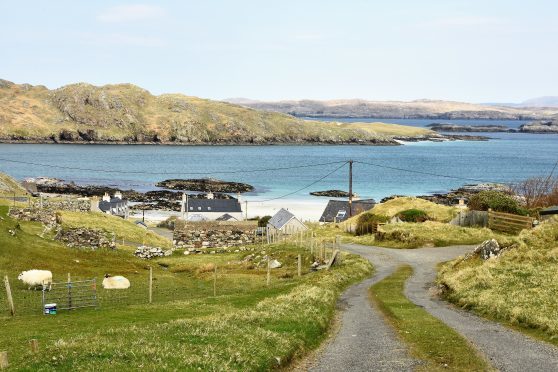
205, 185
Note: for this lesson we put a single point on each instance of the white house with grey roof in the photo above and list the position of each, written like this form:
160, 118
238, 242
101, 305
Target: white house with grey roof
116, 206
286, 223
212, 209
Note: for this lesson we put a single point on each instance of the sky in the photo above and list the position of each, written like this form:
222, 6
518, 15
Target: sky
462, 50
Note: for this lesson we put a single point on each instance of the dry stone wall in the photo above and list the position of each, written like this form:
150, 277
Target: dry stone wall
46, 216
69, 204
214, 234
85, 238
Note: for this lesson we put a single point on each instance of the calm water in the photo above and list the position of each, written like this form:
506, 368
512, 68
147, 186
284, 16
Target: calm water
509, 157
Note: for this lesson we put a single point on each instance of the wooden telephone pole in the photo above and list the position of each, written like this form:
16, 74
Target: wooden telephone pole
350, 188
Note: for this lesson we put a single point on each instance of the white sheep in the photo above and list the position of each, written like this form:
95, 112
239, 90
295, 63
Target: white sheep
115, 282
34, 278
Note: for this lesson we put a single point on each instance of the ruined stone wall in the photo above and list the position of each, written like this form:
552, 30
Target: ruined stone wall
85, 238
46, 216
210, 234
70, 204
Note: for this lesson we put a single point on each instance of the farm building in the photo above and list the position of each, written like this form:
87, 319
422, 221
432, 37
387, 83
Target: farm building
286, 223
116, 206
338, 210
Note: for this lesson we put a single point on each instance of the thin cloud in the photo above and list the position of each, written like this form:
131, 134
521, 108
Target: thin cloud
131, 13
123, 40
464, 22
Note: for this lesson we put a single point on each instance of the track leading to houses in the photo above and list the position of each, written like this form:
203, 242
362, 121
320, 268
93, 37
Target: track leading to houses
366, 342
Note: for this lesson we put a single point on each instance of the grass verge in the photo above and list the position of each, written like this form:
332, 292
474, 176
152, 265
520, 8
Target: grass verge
429, 339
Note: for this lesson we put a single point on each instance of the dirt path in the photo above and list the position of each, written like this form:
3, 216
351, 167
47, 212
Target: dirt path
376, 348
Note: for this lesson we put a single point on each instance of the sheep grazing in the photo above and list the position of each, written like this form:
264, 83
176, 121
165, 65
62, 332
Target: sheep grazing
115, 282
35, 278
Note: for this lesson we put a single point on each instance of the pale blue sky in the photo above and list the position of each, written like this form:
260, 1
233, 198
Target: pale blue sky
469, 50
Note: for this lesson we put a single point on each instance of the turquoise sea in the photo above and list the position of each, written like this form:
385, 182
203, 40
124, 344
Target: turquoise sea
508, 157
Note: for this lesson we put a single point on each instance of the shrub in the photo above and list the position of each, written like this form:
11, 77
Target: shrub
413, 215
497, 201
367, 222
262, 222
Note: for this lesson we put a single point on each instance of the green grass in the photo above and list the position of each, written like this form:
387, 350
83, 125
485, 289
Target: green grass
435, 212
439, 346
123, 229
518, 288
248, 326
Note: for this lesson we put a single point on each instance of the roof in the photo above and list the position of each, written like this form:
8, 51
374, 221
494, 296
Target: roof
114, 203
338, 210
549, 210
214, 205
226, 217
281, 218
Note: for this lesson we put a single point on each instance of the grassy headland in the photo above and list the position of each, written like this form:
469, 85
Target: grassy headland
125, 113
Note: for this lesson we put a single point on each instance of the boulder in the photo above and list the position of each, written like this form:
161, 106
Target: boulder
274, 264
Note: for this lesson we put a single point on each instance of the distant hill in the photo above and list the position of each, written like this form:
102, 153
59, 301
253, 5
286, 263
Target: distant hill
125, 113
548, 101
419, 109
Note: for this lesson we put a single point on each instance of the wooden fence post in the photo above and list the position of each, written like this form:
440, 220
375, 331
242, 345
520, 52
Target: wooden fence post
10, 298
150, 284
299, 265
69, 292
4, 360
215, 282
268, 271
34, 344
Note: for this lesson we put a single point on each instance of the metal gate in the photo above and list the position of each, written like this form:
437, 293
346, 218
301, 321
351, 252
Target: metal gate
71, 295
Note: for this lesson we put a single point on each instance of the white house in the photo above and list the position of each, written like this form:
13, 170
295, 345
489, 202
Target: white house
116, 206
286, 223
211, 209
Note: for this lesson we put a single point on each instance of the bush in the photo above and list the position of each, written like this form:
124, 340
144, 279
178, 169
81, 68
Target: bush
262, 222
413, 215
367, 222
497, 201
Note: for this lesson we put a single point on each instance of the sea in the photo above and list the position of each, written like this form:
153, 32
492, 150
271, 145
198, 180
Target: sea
284, 175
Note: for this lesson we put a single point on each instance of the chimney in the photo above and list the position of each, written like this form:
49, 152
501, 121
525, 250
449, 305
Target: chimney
106, 197
118, 195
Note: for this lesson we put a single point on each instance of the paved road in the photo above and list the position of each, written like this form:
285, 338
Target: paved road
507, 350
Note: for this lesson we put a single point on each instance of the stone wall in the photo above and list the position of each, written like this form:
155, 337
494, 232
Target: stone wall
85, 238
214, 234
69, 204
46, 216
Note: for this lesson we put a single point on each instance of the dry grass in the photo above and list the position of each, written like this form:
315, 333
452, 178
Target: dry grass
519, 287
436, 212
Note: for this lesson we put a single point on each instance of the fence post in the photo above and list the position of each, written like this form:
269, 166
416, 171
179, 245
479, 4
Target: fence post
299, 266
4, 360
215, 282
150, 284
268, 271
34, 343
69, 292
10, 298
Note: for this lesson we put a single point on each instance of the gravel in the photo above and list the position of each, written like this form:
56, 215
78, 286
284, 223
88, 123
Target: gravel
375, 347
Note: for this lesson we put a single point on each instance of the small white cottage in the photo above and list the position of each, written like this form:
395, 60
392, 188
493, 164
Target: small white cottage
286, 223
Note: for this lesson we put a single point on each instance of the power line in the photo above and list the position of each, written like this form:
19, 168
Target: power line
172, 173
425, 173
305, 187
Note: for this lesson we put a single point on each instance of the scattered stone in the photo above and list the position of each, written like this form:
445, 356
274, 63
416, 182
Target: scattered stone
147, 253
214, 235
274, 264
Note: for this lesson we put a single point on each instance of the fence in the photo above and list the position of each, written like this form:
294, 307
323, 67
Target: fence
80, 293
470, 219
509, 223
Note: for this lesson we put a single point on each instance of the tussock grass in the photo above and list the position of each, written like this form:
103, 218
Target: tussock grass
519, 287
436, 212
122, 228
429, 339
247, 326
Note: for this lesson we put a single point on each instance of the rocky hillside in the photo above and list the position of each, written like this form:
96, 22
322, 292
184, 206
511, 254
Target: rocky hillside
420, 109
125, 113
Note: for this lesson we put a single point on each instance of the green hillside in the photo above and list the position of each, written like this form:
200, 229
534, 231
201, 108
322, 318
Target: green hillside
125, 113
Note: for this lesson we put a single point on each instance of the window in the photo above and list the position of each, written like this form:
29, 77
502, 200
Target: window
208, 208
199, 208
341, 214
191, 208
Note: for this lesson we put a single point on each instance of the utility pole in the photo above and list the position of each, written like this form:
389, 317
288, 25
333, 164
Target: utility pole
350, 188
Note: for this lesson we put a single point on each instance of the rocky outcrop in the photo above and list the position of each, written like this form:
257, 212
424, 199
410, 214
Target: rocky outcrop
444, 127
332, 193
550, 126
85, 238
205, 185
486, 250
46, 216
